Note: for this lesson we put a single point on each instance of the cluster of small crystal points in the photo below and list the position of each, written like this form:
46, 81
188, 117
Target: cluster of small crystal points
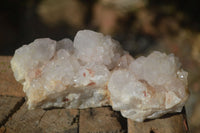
95, 71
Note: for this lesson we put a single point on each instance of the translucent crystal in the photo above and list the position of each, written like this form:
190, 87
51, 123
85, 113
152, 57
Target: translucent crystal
94, 71
30, 56
149, 87
95, 47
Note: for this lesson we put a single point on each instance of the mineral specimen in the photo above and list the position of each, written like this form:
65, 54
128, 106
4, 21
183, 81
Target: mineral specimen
95, 71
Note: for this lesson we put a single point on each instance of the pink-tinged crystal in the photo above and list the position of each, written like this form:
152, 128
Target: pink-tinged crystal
95, 71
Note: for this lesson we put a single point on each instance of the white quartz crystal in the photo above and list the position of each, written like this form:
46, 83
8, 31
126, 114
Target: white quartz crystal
94, 71
95, 47
149, 87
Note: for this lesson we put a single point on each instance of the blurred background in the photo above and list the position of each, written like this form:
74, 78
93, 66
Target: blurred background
141, 26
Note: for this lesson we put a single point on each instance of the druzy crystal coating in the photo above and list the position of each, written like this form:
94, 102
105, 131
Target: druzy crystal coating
93, 71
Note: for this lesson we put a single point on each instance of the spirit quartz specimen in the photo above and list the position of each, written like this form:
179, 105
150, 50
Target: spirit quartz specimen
95, 71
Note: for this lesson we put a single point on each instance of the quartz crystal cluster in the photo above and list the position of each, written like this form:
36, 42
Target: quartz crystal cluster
95, 71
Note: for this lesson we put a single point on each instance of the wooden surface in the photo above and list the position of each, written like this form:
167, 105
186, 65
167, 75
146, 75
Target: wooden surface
8, 105
171, 124
43, 121
101, 120
8, 85
16, 118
